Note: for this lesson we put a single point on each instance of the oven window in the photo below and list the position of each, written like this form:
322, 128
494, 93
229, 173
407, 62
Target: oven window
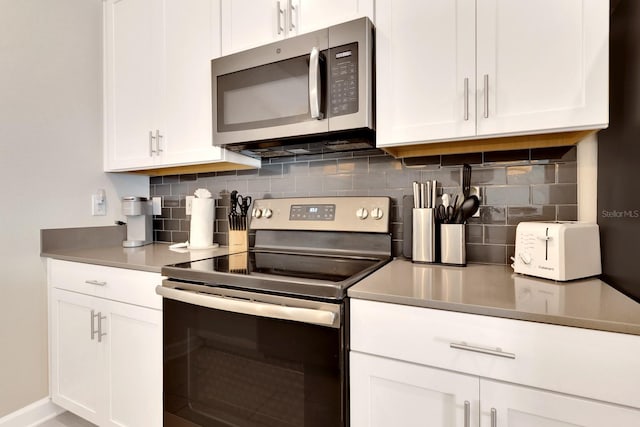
229, 369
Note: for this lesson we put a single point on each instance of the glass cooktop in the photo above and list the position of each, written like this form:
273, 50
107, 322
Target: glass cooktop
312, 275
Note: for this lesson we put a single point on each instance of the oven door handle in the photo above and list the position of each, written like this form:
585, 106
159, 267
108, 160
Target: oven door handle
297, 314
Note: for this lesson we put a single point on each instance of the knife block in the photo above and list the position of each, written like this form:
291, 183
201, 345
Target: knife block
238, 241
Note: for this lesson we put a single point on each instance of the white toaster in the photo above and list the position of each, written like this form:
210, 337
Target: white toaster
557, 250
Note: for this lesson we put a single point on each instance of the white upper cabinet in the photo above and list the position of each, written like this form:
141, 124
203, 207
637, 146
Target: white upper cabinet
250, 23
425, 67
158, 84
455, 70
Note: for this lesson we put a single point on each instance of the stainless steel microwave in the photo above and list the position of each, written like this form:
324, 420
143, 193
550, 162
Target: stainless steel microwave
311, 88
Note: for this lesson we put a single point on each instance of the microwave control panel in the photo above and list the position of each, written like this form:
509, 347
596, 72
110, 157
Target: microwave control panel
343, 80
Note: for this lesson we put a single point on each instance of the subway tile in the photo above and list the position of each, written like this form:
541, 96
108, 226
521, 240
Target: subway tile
517, 214
279, 185
306, 184
185, 225
488, 176
178, 213
162, 236
248, 172
158, 224
259, 186
221, 238
401, 179
567, 212
512, 156
422, 161
555, 194
228, 173
180, 189
162, 190
337, 155
360, 165
179, 236
369, 181
486, 254
171, 224
396, 248
170, 179
188, 177
337, 182
474, 233
352, 193
323, 167
384, 163
499, 234
298, 168
202, 175
155, 180
506, 194
461, 159
531, 174
271, 170
166, 213
373, 152
567, 172
446, 177
491, 215
171, 201
565, 154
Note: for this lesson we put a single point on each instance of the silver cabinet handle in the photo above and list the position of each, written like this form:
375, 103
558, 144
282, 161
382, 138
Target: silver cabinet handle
291, 9
93, 325
280, 15
315, 86
254, 308
494, 417
466, 98
100, 333
151, 138
95, 282
158, 138
491, 351
467, 414
486, 96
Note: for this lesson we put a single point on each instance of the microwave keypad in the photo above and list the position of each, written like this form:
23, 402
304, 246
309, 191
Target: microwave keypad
343, 96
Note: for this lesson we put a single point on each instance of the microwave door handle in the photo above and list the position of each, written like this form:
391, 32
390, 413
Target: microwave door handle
315, 85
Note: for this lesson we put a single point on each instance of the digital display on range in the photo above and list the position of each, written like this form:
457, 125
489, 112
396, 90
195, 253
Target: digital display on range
312, 213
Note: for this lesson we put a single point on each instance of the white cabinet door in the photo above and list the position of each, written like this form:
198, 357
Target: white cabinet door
544, 64
133, 357
76, 370
189, 34
507, 405
310, 15
249, 23
425, 70
386, 392
133, 91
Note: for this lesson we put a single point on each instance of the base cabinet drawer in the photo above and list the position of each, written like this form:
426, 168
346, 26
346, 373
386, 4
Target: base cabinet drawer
594, 364
389, 392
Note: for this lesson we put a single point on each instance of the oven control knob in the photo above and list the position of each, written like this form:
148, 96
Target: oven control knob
257, 213
362, 213
377, 213
267, 213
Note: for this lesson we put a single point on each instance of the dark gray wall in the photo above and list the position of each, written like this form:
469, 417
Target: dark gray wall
619, 154
515, 186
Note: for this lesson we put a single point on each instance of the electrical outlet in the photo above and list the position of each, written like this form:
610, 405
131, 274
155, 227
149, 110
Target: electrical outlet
188, 204
99, 203
156, 203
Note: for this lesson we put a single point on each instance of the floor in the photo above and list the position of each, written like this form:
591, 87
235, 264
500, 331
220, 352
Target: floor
67, 419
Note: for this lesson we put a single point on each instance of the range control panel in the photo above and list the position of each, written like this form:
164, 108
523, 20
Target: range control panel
365, 214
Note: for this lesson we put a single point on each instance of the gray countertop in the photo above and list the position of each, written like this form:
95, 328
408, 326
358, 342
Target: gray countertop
496, 291
103, 246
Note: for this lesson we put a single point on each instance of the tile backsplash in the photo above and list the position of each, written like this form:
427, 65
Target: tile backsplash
521, 185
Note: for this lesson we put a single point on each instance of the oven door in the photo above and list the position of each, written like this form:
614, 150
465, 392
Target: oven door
233, 358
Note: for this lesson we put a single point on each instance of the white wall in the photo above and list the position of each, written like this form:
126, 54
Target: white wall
50, 164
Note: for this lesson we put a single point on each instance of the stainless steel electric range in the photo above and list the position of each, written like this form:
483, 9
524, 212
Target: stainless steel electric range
260, 338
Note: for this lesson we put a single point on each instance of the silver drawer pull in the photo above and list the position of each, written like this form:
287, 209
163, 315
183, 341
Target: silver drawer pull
494, 417
467, 413
95, 282
491, 351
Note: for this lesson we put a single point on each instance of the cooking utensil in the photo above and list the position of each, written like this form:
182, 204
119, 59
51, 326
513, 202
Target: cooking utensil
445, 214
466, 210
233, 214
466, 180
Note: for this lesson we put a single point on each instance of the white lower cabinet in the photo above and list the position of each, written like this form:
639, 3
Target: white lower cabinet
106, 355
413, 366
387, 392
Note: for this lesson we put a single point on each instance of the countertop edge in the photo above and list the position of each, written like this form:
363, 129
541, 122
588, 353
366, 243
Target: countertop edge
103, 262
583, 323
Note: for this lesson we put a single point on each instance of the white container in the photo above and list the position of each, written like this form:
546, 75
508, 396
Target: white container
557, 250
202, 217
